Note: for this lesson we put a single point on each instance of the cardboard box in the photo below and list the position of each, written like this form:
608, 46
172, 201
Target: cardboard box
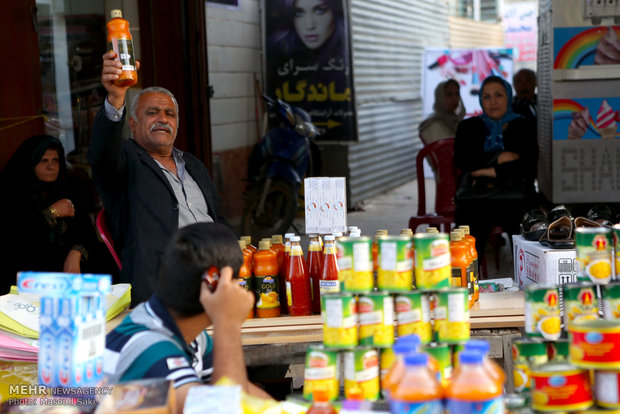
537, 264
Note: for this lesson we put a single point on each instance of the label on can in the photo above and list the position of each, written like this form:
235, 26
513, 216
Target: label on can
561, 390
490, 406
611, 300
339, 321
607, 388
542, 312
594, 254
432, 260
526, 354
441, 354
594, 344
361, 372
580, 302
321, 371
452, 315
395, 263
413, 315
355, 264
376, 319
616, 239
388, 358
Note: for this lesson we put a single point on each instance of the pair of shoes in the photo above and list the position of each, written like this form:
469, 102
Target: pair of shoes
601, 214
560, 233
534, 224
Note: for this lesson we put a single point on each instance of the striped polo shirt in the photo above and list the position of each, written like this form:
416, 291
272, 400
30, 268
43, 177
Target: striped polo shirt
149, 344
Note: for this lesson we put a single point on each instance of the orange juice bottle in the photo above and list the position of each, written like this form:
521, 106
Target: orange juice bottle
472, 388
419, 390
248, 243
314, 265
245, 272
375, 249
320, 402
278, 247
119, 40
404, 345
298, 296
266, 283
459, 253
491, 366
470, 267
468, 238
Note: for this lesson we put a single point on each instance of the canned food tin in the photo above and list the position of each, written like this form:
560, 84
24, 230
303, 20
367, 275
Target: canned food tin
542, 312
355, 264
432, 260
413, 315
610, 295
595, 344
616, 237
387, 359
455, 351
441, 353
580, 302
361, 373
321, 371
560, 386
395, 263
376, 319
558, 350
594, 254
607, 388
452, 315
339, 312
526, 354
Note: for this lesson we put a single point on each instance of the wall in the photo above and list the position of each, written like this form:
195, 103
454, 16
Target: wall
234, 55
466, 33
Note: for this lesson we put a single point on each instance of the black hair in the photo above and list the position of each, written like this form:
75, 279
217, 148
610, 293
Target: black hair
193, 250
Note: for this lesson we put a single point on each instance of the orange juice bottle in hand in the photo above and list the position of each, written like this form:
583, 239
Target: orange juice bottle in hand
419, 390
120, 41
266, 283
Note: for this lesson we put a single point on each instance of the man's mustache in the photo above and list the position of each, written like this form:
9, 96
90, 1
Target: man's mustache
160, 125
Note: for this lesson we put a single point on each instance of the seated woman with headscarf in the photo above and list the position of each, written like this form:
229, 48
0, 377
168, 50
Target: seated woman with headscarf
448, 112
43, 229
502, 145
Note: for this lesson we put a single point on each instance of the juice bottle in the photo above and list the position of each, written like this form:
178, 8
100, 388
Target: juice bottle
404, 345
375, 249
314, 265
352, 229
283, 270
328, 282
470, 268
472, 246
491, 366
278, 247
298, 296
245, 273
472, 389
320, 402
119, 40
459, 253
248, 243
432, 230
406, 232
419, 390
266, 283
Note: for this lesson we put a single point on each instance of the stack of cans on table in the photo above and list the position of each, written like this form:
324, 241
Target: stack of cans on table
361, 321
580, 370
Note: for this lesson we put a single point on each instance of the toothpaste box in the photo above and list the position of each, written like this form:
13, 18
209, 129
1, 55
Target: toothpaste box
72, 326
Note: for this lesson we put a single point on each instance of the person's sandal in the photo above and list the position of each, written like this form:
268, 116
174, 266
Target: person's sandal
558, 212
559, 235
601, 214
584, 222
534, 225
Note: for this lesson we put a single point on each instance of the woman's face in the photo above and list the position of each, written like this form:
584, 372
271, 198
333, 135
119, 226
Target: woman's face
47, 169
494, 100
451, 96
314, 22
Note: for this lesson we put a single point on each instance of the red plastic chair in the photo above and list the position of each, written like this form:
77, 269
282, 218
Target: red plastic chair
104, 232
442, 155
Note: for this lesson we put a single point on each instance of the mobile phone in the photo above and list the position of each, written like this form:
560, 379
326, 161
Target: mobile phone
211, 277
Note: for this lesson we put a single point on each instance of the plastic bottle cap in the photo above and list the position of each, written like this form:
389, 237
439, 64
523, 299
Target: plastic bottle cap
338, 234
411, 341
470, 357
116, 13
276, 239
382, 232
465, 229
352, 228
478, 345
247, 239
242, 244
417, 358
455, 236
329, 237
289, 235
355, 233
264, 245
295, 238
320, 394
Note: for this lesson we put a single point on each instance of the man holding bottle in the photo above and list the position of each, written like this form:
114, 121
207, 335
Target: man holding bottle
149, 188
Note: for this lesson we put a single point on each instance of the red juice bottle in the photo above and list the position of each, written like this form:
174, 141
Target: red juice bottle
297, 282
328, 282
315, 264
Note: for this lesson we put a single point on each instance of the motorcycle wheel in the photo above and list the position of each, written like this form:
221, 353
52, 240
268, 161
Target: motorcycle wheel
279, 212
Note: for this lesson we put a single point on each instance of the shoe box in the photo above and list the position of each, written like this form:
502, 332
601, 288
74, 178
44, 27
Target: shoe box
537, 264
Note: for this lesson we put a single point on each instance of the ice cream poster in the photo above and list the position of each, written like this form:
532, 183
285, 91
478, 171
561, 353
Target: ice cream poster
469, 67
581, 46
586, 118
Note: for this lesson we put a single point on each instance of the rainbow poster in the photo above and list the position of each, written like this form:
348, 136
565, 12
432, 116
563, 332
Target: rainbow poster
576, 46
586, 118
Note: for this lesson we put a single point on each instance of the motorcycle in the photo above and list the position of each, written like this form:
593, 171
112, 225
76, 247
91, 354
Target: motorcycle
276, 168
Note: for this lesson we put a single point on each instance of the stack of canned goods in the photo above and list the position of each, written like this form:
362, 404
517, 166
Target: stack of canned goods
361, 322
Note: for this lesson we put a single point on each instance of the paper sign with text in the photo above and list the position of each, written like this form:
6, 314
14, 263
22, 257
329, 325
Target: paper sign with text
326, 205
